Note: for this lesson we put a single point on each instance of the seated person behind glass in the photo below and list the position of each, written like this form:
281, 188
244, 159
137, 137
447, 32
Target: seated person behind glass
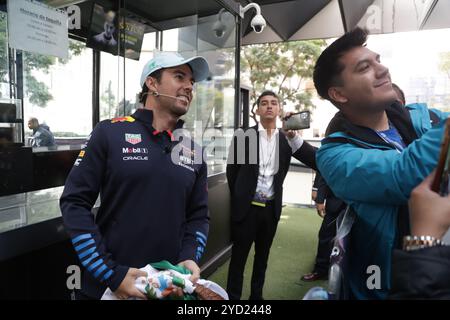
42, 137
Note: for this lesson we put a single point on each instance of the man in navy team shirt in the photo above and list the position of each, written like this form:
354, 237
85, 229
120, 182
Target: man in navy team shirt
152, 208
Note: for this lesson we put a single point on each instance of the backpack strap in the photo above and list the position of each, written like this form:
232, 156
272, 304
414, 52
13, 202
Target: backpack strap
338, 284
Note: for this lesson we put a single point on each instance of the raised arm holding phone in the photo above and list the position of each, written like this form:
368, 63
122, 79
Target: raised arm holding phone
257, 190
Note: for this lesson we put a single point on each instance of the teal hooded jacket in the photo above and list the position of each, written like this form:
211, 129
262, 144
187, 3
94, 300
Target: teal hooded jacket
376, 180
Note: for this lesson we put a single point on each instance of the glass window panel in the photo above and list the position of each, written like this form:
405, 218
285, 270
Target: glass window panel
117, 99
4, 64
212, 110
58, 93
211, 115
24, 209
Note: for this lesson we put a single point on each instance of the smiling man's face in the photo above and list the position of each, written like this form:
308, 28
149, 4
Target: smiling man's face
177, 82
364, 82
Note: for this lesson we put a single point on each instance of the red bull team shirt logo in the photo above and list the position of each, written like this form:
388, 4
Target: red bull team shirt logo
123, 119
133, 138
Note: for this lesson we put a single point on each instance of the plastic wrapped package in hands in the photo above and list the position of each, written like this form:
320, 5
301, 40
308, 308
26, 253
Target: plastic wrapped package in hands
163, 278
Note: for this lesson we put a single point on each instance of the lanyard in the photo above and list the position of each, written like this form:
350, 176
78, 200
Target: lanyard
266, 165
399, 147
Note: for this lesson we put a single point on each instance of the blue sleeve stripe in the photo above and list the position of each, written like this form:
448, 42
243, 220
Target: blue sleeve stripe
100, 270
202, 242
95, 264
81, 237
107, 275
88, 260
84, 245
199, 253
201, 235
86, 253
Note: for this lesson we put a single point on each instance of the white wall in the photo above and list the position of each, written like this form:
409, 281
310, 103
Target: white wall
297, 188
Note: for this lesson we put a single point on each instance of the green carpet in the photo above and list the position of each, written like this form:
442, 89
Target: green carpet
292, 255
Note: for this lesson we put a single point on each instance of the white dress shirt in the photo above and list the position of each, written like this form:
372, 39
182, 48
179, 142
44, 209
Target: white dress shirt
268, 159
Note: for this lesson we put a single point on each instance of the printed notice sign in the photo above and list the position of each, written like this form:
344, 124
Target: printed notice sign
36, 27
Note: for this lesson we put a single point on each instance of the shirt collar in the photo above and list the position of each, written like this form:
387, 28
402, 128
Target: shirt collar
146, 116
262, 132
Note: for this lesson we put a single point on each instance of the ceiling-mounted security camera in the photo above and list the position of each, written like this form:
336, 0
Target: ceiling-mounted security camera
219, 27
258, 23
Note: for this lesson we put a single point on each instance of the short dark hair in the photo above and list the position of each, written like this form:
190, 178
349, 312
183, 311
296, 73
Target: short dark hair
399, 92
328, 68
267, 93
143, 94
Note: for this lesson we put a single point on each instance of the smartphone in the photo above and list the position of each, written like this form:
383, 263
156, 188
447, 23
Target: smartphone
441, 180
298, 121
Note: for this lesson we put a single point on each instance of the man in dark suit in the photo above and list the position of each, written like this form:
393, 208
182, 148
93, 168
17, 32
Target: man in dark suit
258, 163
328, 207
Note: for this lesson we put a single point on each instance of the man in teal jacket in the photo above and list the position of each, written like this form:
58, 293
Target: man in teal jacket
375, 152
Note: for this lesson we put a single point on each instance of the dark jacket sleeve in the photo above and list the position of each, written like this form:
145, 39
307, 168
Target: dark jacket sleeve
322, 188
233, 167
197, 219
421, 274
306, 154
80, 193
316, 181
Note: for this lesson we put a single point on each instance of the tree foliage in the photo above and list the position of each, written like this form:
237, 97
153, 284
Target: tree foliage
3, 49
282, 67
444, 66
207, 107
109, 107
37, 91
444, 63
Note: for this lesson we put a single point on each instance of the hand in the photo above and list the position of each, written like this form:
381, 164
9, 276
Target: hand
127, 288
313, 195
320, 207
195, 270
290, 134
193, 267
429, 212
